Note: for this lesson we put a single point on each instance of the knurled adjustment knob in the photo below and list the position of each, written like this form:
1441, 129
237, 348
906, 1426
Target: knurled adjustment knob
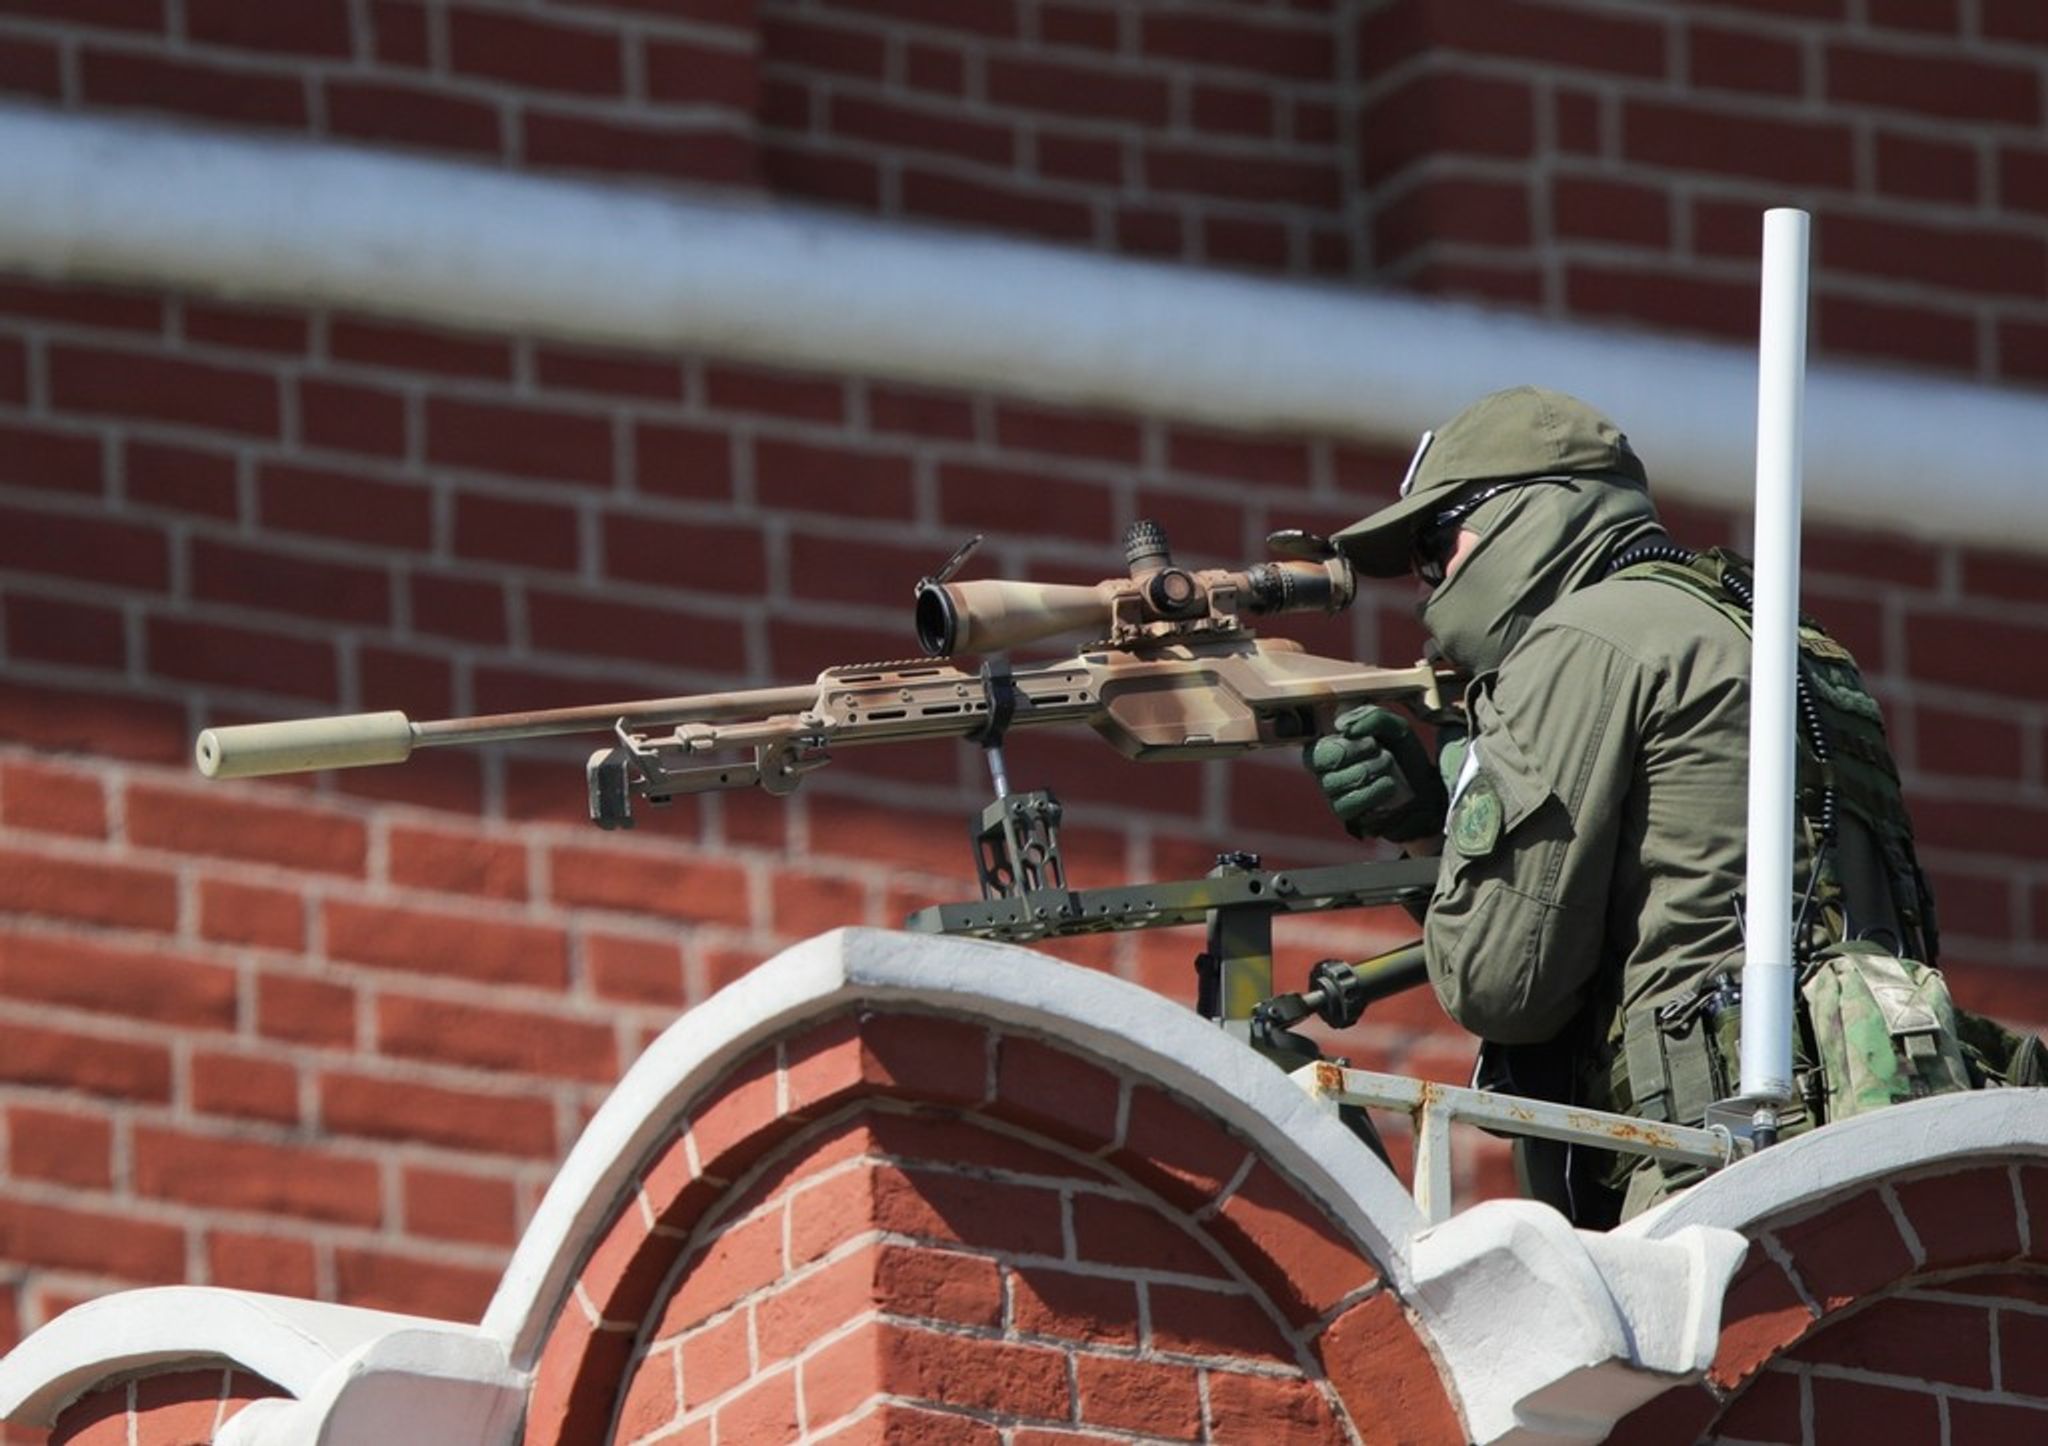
1145, 546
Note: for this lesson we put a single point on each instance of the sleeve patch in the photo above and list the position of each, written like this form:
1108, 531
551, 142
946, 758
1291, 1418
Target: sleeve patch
1477, 820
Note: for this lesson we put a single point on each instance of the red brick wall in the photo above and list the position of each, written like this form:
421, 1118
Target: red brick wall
330, 1037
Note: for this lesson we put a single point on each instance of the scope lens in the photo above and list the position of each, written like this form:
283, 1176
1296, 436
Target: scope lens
938, 626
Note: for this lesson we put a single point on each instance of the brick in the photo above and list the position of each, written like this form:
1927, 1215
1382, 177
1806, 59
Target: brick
29, 67
535, 53
1288, 1245
1675, 299
456, 863
1089, 1309
1189, 1320
693, 462
405, 115
247, 328
818, 42
646, 882
1927, 85
692, 555
97, 307
1181, 1154
1845, 325
543, 444
313, 27
634, 971
189, 821
1157, 1399
517, 530
463, 946
737, 1259
1278, 1409
81, 720
458, 608
1229, 176
979, 1374
652, 1398
1863, 1411
1091, 160
1762, 1315
345, 417
64, 1147
1054, 1092
803, 477
241, 658
90, 549
945, 196
400, 31
245, 1087
400, 1109
279, 1265
1295, 52
32, 455
1599, 209
1124, 1233
1768, 1410
992, 18
688, 152
184, 479
1987, 1420
1963, 1219
1924, 1340
266, 580
1743, 60
1728, 142
382, 343
431, 1286
1081, 90
52, 630
1975, 260
345, 506
93, 1242
86, 1064
1449, 210
2022, 350
765, 1411
1004, 500
935, 1060
77, 974
784, 394
509, 1040
1068, 433
250, 1175
1916, 167
1446, 114
454, 1205
162, 390
931, 130
622, 373
49, 798
231, 95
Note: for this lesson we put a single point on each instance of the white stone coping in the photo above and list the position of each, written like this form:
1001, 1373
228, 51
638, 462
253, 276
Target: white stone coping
1128, 1027
156, 203
1947, 1130
292, 1343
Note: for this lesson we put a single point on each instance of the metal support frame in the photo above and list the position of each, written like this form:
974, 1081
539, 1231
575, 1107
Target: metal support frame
1433, 1108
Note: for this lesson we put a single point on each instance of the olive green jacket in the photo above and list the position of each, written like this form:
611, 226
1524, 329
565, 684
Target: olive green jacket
1594, 850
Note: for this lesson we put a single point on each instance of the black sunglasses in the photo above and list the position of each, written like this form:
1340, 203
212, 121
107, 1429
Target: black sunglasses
1437, 539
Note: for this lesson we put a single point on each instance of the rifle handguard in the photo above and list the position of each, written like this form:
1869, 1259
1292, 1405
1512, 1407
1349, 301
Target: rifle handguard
301, 745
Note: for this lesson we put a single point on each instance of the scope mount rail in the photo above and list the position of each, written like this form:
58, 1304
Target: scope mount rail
1433, 1107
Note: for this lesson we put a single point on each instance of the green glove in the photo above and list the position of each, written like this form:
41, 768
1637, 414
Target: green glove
1378, 777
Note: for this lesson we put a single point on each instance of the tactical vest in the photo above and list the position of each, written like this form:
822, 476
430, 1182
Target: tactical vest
1876, 1025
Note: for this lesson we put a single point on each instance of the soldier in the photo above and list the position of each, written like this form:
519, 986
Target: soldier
1586, 922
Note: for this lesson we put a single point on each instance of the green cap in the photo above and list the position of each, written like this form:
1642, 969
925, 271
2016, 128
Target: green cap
1521, 432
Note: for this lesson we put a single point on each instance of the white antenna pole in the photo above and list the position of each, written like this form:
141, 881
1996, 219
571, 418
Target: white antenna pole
1774, 659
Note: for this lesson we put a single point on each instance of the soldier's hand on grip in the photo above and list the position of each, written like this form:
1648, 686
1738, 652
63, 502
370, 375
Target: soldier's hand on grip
1378, 776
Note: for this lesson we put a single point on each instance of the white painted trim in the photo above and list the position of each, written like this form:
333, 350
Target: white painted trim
1946, 1132
153, 203
1131, 1029
293, 1343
